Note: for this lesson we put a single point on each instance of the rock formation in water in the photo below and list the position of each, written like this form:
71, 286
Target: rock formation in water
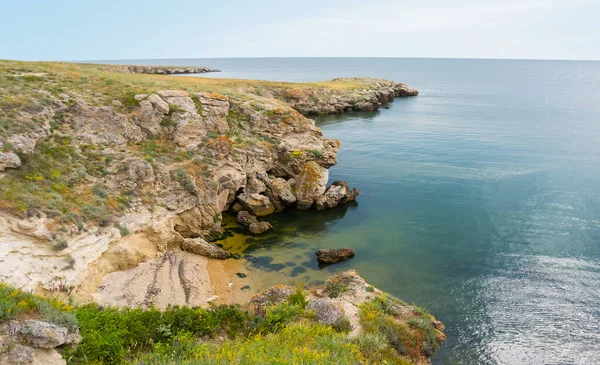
98, 176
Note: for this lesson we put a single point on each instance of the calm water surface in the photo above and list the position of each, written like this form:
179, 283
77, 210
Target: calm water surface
480, 200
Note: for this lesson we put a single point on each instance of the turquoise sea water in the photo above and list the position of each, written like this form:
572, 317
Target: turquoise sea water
480, 200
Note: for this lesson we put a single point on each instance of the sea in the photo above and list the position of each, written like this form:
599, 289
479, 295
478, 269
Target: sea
479, 200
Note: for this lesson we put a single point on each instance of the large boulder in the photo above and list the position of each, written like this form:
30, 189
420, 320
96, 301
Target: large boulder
9, 160
281, 190
245, 218
256, 204
42, 334
254, 185
327, 312
332, 255
350, 195
332, 197
311, 183
151, 113
200, 247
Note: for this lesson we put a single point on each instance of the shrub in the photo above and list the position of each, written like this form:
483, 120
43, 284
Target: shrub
123, 230
335, 289
61, 245
316, 153
298, 298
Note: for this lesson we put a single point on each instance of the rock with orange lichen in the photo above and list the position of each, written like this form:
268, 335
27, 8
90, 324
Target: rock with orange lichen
311, 183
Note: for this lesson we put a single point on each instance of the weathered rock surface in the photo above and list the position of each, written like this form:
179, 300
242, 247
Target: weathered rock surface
311, 183
9, 160
245, 218
34, 342
328, 312
350, 195
269, 297
259, 227
200, 247
331, 255
256, 204
281, 191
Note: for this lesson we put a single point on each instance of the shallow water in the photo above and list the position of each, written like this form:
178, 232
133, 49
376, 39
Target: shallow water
480, 200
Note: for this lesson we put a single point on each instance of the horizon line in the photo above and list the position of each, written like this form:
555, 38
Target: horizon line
306, 57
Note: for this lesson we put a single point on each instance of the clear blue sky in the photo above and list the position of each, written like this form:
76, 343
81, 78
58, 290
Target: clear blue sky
126, 29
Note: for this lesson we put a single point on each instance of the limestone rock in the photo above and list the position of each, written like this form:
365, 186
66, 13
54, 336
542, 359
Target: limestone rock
215, 108
328, 312
332, 197
16, 355
199, 246
158, 104
42, 334
256, 204
269, 297
140, 171
254, 185
114, 130
281, 190
246, 218
331, 255
259, 227
351, 194
9, 160
310, 184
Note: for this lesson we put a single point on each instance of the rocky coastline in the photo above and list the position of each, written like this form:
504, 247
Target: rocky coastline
165, 70
117, 195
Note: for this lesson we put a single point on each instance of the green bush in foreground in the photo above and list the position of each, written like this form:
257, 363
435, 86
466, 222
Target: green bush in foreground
298, 343
283, 334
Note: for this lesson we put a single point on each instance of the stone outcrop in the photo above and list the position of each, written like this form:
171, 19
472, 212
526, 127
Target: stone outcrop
9, 160
200, 247
269, 297
165, 70
331, 255
327, 312
311, 183
257, 204
34, 342
149, 174
375, 94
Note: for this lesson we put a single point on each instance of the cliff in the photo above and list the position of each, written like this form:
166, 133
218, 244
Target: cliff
113, 184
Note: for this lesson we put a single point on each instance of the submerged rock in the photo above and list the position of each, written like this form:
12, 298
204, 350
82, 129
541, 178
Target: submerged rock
259, 227
331, 255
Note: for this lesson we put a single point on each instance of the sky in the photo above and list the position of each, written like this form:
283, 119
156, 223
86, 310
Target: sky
77, 30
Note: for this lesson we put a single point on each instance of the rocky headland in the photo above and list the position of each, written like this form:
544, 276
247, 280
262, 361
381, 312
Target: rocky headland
113, 185
162, 70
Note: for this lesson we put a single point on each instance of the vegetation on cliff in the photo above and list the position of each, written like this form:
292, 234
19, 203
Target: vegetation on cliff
281, 332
